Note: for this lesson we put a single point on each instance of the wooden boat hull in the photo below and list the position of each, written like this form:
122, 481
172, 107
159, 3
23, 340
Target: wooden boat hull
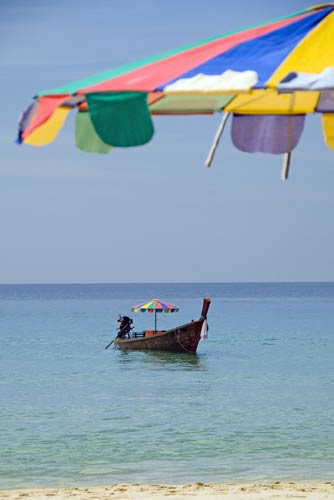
183, 338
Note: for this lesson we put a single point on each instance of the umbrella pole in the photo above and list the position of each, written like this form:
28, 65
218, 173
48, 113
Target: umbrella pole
216, 140
155, 321
286, 166
287, 155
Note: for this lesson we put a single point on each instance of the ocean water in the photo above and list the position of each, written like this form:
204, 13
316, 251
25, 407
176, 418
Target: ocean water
255, 404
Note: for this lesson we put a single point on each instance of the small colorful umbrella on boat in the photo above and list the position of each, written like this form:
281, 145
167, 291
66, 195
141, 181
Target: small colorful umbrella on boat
267, 78
156, 306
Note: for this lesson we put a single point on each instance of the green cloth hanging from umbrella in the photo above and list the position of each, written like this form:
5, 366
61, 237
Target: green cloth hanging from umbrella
86, 138
121, 119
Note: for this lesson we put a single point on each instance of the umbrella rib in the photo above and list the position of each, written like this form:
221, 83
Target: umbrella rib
286, 166
287, 155
216, 140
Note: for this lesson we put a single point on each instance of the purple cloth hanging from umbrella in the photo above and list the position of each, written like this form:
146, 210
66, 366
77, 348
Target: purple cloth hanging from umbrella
275, 134
25, 119
326, 102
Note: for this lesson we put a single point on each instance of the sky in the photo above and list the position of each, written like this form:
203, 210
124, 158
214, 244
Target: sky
154, 213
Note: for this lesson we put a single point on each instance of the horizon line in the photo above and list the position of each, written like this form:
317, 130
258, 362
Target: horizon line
165, 283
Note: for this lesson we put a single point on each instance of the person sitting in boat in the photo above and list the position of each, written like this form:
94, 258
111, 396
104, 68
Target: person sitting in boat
125, 326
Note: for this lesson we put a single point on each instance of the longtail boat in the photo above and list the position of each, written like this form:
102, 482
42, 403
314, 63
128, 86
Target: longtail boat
184, 338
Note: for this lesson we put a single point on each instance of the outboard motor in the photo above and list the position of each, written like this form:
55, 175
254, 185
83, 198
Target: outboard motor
124, 327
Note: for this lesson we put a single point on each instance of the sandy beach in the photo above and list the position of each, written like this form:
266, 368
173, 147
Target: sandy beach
200, 491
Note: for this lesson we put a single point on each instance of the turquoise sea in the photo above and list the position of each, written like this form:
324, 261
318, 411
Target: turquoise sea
255, 404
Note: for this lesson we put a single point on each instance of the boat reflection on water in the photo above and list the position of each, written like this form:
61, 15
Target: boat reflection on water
163, 358
170, 358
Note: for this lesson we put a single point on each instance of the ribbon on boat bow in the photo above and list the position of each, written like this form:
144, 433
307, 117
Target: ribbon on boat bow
204, 331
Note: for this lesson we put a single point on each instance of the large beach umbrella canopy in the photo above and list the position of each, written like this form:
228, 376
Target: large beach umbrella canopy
267, 78
156, 306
